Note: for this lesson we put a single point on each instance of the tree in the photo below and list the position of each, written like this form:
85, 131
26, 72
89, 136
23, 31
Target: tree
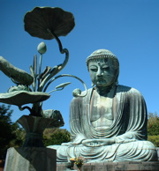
55, 136
7, 130
153, 124
153, 128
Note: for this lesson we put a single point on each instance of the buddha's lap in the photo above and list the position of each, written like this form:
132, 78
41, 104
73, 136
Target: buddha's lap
135, 145
132, 151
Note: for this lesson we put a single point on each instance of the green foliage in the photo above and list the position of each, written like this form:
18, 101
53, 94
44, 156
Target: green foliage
8, 130
153, 124
20, 136
55, 136
153, 128
154, 139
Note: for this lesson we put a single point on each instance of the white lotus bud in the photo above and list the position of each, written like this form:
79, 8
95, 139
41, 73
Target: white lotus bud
42, 48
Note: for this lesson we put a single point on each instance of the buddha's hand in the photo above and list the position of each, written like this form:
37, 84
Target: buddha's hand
98, 142
78, 140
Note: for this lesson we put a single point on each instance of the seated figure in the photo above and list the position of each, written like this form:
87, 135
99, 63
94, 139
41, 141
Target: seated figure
110, 122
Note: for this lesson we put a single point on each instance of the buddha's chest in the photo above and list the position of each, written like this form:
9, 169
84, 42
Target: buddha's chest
101, 108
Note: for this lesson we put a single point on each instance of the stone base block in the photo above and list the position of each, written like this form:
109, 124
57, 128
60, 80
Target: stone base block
110, 166
30, 159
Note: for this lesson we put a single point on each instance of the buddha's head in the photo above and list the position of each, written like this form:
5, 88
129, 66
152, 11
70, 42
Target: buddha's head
103, 67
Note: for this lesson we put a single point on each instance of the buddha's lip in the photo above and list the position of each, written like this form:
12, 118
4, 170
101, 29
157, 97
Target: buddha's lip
100, 77
100, 80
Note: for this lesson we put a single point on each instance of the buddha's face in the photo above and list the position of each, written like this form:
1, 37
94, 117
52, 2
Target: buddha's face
103, 72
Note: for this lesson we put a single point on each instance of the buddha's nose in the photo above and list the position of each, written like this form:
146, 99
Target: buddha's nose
99, 72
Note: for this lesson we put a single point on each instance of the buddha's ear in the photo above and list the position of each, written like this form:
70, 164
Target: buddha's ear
117, 75
88, 68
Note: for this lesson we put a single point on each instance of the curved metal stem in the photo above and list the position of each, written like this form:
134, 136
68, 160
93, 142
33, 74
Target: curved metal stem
54, 71
62, 50
67, 75
58, 40
25, 107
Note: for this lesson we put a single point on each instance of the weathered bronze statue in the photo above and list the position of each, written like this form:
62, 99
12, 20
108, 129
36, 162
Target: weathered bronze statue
109, 123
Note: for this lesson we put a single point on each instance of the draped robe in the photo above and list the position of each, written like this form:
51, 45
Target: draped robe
128, 129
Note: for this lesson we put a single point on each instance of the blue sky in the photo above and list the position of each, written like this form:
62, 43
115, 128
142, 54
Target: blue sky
130, 29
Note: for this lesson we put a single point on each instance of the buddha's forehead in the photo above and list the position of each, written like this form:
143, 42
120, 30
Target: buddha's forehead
111, 62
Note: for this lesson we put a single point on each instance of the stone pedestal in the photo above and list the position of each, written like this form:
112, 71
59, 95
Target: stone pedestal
30, 159
110, 166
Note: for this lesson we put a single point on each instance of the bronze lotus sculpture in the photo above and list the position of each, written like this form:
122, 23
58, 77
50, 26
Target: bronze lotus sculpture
46, 23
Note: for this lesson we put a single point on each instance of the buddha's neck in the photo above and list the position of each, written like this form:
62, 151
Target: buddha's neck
106, 91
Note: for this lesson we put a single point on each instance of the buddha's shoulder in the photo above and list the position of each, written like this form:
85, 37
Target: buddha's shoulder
127, 89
